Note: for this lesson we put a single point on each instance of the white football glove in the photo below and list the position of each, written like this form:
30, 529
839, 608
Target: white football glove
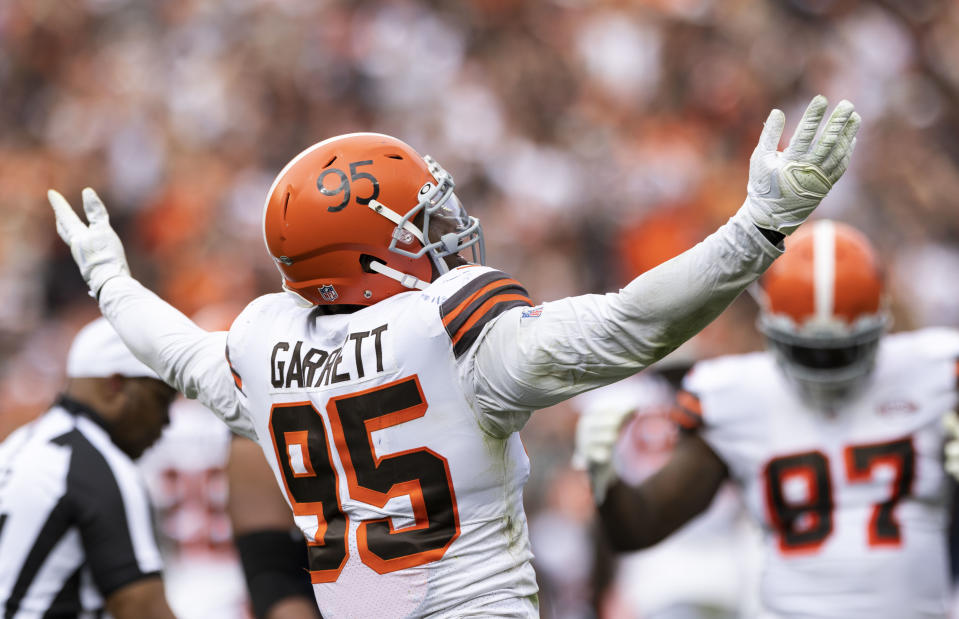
597, 433
950, 421
96, 248
784, 187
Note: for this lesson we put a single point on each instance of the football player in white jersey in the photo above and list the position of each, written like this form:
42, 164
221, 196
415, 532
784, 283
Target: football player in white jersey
185, 476
387, 385
834, 436
700, 571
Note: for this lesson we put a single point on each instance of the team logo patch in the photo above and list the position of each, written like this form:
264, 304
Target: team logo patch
533, 312
898, 407
328, 293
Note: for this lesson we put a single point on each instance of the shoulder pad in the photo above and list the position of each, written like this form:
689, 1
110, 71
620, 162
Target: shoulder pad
931, 343
266, 304
244, 325
471, 297
715, 374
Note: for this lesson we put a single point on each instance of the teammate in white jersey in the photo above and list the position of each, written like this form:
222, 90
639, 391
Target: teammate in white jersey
185, 473
387, 385
834, 437
701, 570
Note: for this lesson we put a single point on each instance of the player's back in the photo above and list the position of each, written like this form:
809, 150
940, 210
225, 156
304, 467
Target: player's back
853, 501
409, 506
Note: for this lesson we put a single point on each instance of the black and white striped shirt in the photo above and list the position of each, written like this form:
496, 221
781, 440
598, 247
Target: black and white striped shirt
75, 519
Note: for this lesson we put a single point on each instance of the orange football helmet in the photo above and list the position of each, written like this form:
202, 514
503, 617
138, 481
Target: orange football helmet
823, 310
360, 217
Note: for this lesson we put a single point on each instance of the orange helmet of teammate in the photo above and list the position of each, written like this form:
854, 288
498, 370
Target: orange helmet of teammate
360, 217
823, 310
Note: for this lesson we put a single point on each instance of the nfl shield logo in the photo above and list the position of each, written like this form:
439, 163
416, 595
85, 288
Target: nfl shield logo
328, 293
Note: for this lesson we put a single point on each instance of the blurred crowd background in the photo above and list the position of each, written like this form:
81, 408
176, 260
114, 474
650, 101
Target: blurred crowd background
593, 138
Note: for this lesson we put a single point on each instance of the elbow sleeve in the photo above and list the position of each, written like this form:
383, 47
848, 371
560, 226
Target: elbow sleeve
275, 567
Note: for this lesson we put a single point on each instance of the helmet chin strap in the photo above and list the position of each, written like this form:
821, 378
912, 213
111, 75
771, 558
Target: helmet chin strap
405, 279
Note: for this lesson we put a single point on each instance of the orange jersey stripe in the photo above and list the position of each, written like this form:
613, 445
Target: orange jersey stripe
483, 309
684, 418
237, 379
690, 403
459, 308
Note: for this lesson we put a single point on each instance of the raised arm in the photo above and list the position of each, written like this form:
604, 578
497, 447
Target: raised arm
580, 343
638, 517
187, 357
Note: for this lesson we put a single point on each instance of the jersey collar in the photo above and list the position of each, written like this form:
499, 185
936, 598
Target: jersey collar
80, 409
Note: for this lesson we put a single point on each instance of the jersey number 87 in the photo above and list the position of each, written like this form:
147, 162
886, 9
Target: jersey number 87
804, 526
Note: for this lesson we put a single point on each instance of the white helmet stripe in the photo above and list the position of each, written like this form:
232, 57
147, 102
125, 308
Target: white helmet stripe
824, 268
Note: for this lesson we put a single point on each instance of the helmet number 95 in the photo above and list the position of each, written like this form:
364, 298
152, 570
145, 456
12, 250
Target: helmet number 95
344, 186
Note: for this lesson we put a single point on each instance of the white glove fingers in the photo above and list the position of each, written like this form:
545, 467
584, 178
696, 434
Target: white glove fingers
840, 168
597, 433
772, 132
94, 208
68, 222
951, 467
833, 165
836, 173
601, 478
835, 127
950, 423
806, 130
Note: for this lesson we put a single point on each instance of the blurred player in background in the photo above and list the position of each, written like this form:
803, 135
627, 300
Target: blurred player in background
186, 476
387, 387
834, 436
76, 528
702, 570
272, 549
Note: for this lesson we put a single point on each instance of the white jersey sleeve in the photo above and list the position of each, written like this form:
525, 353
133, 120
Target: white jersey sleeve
531, 359
190, 359
517, 360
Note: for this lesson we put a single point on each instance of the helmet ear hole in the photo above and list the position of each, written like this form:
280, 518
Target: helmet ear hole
366, 260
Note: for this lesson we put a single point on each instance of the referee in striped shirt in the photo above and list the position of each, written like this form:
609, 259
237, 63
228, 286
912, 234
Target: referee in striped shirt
76, 529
